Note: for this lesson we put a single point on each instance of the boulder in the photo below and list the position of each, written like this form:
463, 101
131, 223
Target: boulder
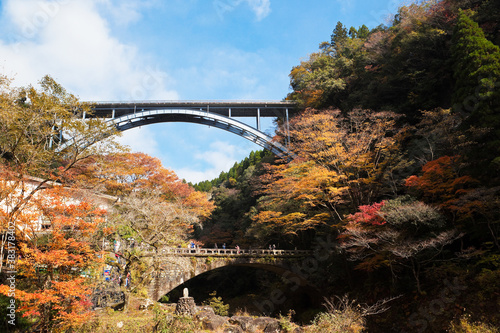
214, 323
242, 321
107, 295
273, 327
261, 323
146, 304
233, 329
249, 324
205, 312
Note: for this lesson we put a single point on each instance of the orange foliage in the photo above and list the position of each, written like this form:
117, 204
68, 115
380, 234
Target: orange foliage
51, 262
441, 182
122, 174
342, 161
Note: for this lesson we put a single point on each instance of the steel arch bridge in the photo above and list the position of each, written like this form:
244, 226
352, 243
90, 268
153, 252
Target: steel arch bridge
218, 114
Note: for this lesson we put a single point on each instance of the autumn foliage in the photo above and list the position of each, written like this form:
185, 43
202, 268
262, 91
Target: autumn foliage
441, 181
122, 174
53, 291
343, 161
369, 214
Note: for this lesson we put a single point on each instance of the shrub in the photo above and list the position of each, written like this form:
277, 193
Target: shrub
169, 323
286, 324
465, 326
345, 316
217, 304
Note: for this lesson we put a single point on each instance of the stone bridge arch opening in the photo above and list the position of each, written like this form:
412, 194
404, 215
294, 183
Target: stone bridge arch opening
266, 281
257, 289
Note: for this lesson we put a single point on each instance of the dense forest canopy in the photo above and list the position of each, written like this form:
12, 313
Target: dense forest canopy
397, 168
397, 154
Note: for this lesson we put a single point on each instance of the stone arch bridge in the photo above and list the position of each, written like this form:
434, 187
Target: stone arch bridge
178, 265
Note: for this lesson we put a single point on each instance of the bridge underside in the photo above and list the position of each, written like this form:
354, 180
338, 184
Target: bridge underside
218, 114
204, 118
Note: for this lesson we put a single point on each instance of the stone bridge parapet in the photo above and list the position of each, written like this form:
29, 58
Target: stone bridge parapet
178, 265
232, 252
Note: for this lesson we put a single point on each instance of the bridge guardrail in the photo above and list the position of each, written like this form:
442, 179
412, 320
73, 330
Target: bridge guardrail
219, 251
232, 252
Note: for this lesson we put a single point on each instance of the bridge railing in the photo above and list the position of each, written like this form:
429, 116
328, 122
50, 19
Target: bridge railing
231, 252
212, 251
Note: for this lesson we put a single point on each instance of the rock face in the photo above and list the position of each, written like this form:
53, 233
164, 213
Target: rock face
249, 324
236, 324
186, 307
214, 323
107, 295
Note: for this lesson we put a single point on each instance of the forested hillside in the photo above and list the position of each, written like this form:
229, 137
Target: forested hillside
398, 161
59, 208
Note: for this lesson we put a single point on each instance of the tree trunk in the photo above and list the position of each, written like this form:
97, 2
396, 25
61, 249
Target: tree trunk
127, 299
416, 273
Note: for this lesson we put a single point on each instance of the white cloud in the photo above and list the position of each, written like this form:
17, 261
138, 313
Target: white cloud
124, 12
71, 41
235, 73
261, 8
221, 156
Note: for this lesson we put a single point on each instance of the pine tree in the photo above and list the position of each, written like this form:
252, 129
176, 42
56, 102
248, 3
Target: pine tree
477, 82
339, 36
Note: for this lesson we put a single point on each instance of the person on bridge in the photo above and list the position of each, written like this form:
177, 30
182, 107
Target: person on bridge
237, 249
116, 245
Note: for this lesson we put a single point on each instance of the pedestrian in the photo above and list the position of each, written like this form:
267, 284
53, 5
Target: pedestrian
127, 280
224, 246
237, 249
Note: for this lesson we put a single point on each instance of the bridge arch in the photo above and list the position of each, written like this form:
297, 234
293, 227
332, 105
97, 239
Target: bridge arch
218, 114
228, 124
178, 266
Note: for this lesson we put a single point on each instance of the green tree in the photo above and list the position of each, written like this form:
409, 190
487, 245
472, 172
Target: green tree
477, 83
363, 31
339, 36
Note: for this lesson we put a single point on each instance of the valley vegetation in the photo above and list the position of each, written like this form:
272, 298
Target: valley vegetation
397, 160
396, 169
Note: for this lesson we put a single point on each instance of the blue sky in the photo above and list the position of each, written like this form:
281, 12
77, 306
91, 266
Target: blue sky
112, 50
